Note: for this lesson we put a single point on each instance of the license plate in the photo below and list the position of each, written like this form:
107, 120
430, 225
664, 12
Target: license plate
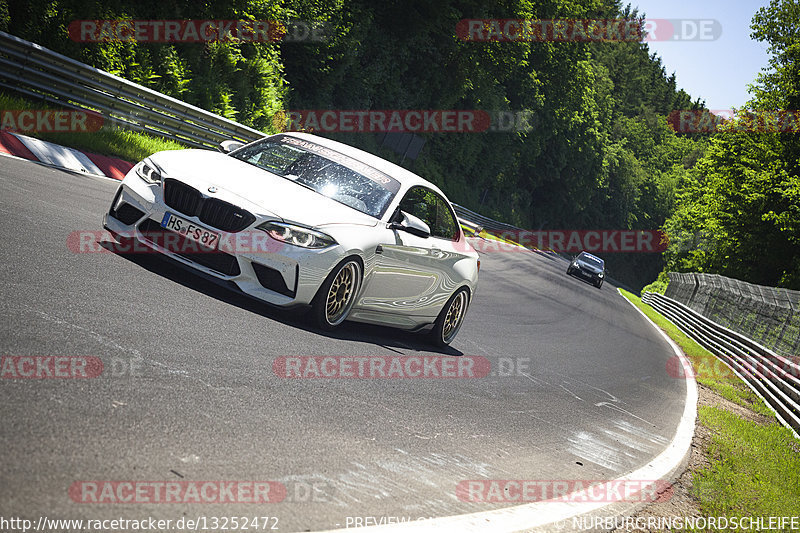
190, 230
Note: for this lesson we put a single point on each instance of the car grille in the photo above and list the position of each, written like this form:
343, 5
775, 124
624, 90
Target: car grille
215, 260
211, 211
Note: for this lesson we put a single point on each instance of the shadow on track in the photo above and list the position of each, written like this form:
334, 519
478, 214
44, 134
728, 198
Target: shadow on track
229, 293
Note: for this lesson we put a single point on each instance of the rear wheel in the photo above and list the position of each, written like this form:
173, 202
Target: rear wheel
450, 318
337, 294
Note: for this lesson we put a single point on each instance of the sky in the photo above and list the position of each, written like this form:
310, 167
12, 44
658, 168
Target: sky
717, 70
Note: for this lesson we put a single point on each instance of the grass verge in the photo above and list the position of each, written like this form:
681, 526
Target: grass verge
110, 141
753, 467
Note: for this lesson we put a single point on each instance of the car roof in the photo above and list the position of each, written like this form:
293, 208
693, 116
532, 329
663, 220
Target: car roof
587, 254
404, 176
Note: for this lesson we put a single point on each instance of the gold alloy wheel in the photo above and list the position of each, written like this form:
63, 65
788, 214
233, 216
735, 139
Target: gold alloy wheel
454, 317
342, 293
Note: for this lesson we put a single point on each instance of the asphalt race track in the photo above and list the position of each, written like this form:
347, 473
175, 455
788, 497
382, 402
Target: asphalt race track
188, 390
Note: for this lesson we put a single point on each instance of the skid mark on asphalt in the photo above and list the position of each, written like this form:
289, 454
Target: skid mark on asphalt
570, 392
97, 337
630, 442
111, 343
394, 478
615, 407
390, 478
590, 448
616, 450
641, 433
602, 452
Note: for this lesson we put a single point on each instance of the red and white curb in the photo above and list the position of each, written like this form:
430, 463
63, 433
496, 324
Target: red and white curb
55, 155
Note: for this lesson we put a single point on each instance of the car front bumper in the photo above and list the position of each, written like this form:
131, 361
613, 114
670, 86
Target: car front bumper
277, 273
587, 274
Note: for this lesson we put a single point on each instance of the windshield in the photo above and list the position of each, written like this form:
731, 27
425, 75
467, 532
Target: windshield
592, 260
330, 173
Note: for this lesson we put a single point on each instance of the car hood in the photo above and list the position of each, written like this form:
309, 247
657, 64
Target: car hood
255, 189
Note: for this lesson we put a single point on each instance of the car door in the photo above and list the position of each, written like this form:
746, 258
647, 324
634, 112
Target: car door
414, 275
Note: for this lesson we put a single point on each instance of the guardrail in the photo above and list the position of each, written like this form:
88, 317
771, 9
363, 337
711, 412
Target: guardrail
482, 221
473, 229
768, 315
773, 377
36, 72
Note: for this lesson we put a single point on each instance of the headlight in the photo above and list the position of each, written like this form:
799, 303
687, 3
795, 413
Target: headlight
601, 274
149, 172
296, 235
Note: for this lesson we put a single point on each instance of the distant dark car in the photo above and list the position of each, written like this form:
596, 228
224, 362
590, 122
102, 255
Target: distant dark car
588, 267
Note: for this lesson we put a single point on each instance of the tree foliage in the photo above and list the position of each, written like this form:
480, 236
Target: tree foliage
239, 80
738, 210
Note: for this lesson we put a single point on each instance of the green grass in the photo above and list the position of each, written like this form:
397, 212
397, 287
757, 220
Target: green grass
115, 142
754, 469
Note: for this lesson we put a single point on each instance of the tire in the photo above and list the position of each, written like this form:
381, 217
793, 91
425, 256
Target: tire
450, 318
569, 271
338, 293
599, 284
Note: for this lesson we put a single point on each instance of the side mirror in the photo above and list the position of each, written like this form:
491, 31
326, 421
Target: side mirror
411, 224
229, 146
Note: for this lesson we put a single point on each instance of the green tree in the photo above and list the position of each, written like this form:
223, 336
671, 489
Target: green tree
739, 213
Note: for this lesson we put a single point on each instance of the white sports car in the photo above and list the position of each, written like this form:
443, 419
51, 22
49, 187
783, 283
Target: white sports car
295, 219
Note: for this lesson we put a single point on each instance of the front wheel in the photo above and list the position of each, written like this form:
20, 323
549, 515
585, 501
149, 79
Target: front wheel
599, 284
337, 294
450, 318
